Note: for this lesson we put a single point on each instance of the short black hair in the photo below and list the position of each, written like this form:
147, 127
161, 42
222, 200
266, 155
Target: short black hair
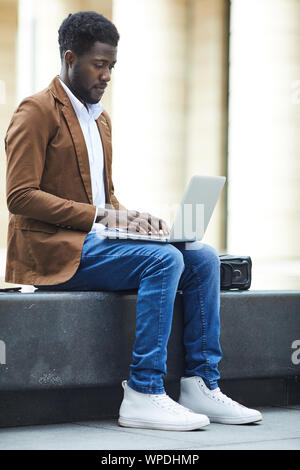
79, 31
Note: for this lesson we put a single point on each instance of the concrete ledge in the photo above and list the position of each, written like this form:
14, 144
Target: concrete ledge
66, 353
59, 340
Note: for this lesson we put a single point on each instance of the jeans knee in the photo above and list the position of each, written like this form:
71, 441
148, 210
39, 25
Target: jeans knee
198, 253
212, 255
173, 258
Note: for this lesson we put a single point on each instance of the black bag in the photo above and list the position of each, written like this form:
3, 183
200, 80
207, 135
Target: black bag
235, 272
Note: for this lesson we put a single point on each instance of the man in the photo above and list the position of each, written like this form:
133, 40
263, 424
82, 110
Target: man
60, 194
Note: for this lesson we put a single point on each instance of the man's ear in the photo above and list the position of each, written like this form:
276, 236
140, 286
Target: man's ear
69, 58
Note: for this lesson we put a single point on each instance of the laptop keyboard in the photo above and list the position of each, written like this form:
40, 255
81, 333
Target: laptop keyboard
136, 234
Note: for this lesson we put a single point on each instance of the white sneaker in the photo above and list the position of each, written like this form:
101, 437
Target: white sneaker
144, 410
218, 407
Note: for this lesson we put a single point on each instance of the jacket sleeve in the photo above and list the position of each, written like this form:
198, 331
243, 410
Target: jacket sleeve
26, 140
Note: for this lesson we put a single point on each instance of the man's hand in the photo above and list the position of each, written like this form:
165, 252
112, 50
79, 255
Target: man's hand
132, 220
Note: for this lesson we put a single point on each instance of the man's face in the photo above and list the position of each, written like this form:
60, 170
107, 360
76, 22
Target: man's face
89, 74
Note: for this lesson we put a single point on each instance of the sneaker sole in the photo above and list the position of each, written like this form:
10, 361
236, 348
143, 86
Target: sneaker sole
136, 423
248, 420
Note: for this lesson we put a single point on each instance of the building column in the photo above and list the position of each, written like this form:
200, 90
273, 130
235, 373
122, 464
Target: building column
264, 140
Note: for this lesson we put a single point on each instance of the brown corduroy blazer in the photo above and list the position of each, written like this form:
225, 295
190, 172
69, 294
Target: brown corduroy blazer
48, 188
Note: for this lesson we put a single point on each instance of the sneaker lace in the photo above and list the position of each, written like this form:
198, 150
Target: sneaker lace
164, 401
221, 397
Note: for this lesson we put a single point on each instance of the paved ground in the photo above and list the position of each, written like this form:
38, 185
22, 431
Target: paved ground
280, 429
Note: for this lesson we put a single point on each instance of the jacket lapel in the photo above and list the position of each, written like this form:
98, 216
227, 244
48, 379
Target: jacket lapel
76, 134
80, 148
104, 131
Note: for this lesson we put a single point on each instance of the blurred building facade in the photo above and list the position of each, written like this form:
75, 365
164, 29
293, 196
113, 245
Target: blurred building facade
200, 87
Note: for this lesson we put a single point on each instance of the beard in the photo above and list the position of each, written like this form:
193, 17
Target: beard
79, 89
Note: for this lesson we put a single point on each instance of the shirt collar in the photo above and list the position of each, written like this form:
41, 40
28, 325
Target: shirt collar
94, 110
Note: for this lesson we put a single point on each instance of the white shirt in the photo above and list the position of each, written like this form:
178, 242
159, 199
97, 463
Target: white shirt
94, 147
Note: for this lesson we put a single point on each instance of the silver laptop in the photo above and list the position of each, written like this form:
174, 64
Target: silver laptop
192, 217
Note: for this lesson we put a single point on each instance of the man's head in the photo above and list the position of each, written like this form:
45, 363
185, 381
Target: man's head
88, 49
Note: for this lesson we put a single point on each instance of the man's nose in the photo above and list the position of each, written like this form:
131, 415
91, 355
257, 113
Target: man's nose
106, 74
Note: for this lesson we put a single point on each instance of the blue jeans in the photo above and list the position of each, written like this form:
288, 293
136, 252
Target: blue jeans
158, 271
